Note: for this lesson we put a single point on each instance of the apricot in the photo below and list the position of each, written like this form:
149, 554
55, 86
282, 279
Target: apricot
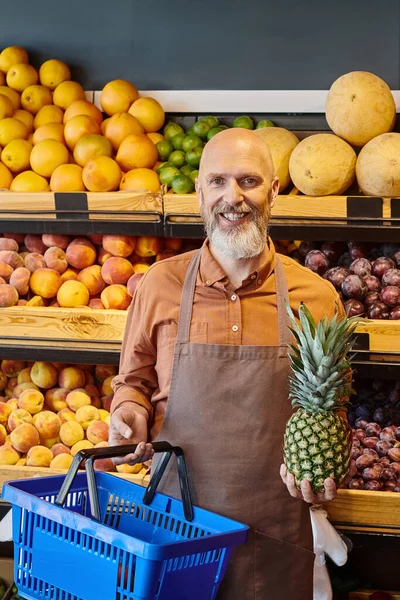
116, 297
97, 431
81, 253
62, 461
86, 415
89, 380
65, 415
21, 387
18, 237
24, 375
92, 279
11, 384
34, 261
13, 404
54, 239
3, 434
116, 270
34, 243
92, 391
56, 259
103, 255
47, 423
148, 245
77, 398
8, 456
104, 414
31, 400
119, 245
106, 388
72, 294
24, 437
60, 448
12, 368
71, 432
130, 469
56, 398
39, 456
82, 445
44, 374
17, 417
8, 295
5, 411
71, 378
49, 442
70, 274
45, 282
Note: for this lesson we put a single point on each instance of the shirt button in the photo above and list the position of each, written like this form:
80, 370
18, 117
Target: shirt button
208, 282
233, 297
253, 276
235, 328
259, 282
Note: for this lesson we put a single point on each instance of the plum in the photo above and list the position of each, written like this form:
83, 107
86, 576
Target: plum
355, 452
387, 434
395, 313
394, 454
373, 485
336, 276
396, 468
389, 486
361, 267
396, 258
345, 260
374, 472
371, 298
370, 442
393, 398
390, 295
359, 434
391, 277
373, 283
373, 453
381, 265
397, 433
354, 308
389, 249
317, 261
306, 247
357, 250
378, 310
354, 287
385, 461
373, 429
383, 447
364, 461
332, 251
356, 484
361, 424
364, 411
388, 473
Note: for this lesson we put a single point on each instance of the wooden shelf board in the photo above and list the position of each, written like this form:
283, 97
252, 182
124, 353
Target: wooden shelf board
384, 335
357, 509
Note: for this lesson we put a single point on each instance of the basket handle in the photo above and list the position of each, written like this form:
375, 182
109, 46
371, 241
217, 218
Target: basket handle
91, 454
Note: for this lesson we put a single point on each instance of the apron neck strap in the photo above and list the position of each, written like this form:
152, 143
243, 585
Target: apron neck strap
186, 308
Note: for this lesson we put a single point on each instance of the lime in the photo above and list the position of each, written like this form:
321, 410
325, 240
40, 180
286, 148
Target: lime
177, 158
164, 149
167, 175
190, 142
177, 141
171, 129
162, 166
265, 123
182, 184
244, 122
212, 121
186, 170
201, 128
214, 131
190, 131
194, 175
193, 157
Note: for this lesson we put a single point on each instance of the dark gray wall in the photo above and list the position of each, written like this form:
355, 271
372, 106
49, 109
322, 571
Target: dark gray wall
209, 44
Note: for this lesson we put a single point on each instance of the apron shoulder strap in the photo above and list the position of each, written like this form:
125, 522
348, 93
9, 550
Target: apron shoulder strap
186, 308
282, 294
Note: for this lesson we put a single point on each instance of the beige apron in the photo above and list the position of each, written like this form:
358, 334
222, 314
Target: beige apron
227, 408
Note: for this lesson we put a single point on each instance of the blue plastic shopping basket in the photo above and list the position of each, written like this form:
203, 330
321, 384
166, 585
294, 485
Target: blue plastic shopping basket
93, 536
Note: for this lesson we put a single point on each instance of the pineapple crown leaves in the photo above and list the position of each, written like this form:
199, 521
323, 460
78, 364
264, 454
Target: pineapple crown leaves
322, 373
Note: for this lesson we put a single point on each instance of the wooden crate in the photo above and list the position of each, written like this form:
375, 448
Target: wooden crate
383, 335
365, 594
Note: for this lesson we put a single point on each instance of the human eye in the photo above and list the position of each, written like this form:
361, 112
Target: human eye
250, 181
216, 181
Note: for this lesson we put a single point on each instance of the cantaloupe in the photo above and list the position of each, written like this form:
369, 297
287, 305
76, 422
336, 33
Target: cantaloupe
322, 165
281, 143
359, 107
378, 166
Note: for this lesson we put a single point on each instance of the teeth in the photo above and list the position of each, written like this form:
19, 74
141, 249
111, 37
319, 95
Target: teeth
234, 216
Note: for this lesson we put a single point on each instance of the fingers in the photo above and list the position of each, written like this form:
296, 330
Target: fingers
122, 428
283, 473
143, 453
330, 489
291, 485
307, 491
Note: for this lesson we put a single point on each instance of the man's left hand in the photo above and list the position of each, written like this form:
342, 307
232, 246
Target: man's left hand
306, 492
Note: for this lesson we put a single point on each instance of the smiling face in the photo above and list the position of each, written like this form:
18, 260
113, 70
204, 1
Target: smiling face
236, 190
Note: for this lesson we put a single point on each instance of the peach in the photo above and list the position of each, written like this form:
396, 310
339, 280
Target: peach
135, 258
24, 375
39, 456
106, 388
106, 402
8, 440
96, 238
81, 253
54, 239
2, 280
49, 442
21, 462
8, 244
148, 245
62, 461
86, 415
96, 401
8, 295
60, 448
3, 381
8, 456
18, 237
5, 271
116, 296
59, 366
21, 387
71, 433
11, 258
104, 414
55, 398
65, 415
72, 294
140, 267
130, 469
3, 434
97, 431
96, 304
103, 255
101, 372
77, 398
17, 417
104, 464
34, 261
22, 302
11, 384
174, 244
31, 400
47, 423
119, 245
24, 437
35, 301
56, 259
45, 282
23, 255
54, 304
83, 445
116, 270
34, 243
71, 378
89, 380
165, 254
5, 411
12, 403
92, 391
70, 274
91, 277
133, 282
44, 374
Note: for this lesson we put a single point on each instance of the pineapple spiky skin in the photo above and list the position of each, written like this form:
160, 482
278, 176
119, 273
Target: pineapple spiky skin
317, 446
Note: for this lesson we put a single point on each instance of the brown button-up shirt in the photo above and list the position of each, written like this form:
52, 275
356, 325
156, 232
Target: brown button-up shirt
221, 315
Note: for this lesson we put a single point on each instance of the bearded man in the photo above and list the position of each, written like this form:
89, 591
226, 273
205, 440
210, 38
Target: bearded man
204, 366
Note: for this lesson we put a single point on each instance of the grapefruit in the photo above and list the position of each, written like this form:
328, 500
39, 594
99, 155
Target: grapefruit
102, 174
50, 131
149, 112
21, 76
104, 125
6, 108
83, 107
47, 155
117, 96
28, 181
48, 114
90, 146
68, 92
119, 126
16, 155
79, 126
140, 180
67, 178
12, 129
156, 137
53, 72
12, 56
137, 151
26, 118
35, 97
5, 177
11, 95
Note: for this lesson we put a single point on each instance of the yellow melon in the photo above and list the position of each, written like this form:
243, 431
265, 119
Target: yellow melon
378, 166
359, 107
322, 165
281, 144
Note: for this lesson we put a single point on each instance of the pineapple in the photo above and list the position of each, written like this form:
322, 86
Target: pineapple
317, 438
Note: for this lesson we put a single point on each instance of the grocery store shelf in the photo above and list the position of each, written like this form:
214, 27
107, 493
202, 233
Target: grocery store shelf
82, 213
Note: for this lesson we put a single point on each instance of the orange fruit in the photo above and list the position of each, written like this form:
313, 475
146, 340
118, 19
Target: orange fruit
104, 125
30, 139
90, 146
5, 177
47, 155
68, 92
34, 97
149, 112
50, 131
137, 151
12, 56
2, 78
11, 95
117, 96
53, 72
140, 180
102, 174
12, 129
67, 178
21, 76
156, 137
48, 114
28, 181
6, 108
83, 107
119, 126
16, 155
79, 126
26, 118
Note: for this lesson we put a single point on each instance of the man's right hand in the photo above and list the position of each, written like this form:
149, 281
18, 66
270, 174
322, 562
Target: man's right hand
128, 425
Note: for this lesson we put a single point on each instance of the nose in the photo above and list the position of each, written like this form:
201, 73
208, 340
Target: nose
234, 194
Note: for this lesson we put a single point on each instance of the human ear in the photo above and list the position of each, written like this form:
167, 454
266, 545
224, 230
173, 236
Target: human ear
274, 191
